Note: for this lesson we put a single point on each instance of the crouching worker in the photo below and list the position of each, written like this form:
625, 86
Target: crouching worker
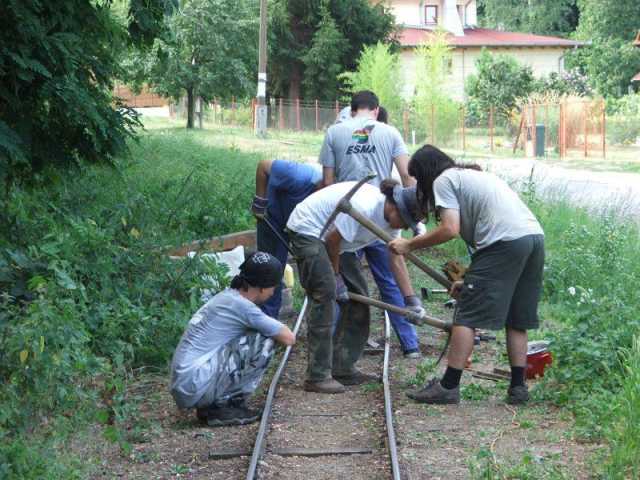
227, 346
328, 264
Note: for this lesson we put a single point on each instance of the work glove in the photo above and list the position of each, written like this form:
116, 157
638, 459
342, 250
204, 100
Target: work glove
259, 207
413, 303
420, 229
342, 294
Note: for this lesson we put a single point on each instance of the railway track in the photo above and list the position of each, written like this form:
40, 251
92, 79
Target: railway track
260, 446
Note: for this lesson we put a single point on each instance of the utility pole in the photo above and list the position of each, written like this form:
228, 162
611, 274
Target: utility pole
261, 109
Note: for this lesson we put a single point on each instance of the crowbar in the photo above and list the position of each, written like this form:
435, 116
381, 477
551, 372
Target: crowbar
413, 317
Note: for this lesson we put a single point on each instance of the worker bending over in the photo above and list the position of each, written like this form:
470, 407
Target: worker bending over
280, 186
353, 149
226, 348
502, 287
328, 265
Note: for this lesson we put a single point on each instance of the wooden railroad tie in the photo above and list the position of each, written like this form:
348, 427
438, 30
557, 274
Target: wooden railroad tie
293, 452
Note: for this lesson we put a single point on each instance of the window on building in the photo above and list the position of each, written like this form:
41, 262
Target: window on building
431, 14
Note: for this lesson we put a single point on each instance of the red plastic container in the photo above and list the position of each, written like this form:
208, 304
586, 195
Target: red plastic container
538, 357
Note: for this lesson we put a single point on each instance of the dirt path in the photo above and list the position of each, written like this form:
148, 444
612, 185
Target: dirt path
482, 437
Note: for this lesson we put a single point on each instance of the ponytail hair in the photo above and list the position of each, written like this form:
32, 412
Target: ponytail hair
426, 164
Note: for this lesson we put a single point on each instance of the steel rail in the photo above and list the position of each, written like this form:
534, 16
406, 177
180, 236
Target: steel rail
388, 409
258, 448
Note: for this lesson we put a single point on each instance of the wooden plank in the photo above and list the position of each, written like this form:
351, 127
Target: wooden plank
292, 452
246, 238
226, 454
320, 452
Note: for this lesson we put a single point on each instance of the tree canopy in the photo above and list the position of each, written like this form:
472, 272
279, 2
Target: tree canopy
57, 64
310, 42
543, 17
378, 70
208, 49
609, 60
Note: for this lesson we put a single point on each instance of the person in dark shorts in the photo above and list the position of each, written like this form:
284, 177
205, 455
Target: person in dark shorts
502, 286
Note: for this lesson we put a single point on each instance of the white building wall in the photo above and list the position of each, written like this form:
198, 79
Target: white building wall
543, 61
411, 12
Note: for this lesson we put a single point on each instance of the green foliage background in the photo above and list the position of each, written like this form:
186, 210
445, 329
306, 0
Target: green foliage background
340, 27
57, 65
87, 291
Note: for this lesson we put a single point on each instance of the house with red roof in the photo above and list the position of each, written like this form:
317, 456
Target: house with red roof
419, 18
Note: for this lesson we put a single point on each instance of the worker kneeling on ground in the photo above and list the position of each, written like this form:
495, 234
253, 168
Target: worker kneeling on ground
502, 286
328, 264
227, 346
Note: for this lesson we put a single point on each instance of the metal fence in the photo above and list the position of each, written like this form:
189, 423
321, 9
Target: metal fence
569, 128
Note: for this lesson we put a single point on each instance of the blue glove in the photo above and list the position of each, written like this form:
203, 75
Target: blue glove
259, 206
342, 294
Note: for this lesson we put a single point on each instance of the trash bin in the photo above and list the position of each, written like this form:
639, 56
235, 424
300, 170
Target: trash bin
540, 137
536, 150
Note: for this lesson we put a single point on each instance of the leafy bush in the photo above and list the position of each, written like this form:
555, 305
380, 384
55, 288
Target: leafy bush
435, 115
623, 126
379, 72
500, 81
87, 291
58, 61
570, 82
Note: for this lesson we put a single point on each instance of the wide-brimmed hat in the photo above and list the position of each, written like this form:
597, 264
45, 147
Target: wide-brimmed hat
407, 202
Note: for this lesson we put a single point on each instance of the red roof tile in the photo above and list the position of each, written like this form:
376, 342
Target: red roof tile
484, 37
636, 78
637, 41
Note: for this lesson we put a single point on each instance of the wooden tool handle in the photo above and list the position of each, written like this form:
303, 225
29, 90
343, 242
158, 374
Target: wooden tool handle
383, 235
411, 316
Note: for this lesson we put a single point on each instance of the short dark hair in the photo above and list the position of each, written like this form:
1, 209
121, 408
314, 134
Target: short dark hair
383, 115
426, 164
364, 99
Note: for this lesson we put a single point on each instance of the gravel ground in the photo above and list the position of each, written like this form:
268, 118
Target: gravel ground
481, 437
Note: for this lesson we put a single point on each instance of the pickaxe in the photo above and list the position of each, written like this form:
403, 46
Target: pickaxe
345, 203
345, 206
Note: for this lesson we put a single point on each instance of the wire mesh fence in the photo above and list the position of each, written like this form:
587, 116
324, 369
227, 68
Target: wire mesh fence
568, 128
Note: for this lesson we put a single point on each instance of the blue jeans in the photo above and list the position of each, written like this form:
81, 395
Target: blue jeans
378, 257
268, 242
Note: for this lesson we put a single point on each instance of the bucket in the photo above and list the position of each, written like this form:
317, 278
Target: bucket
538, 357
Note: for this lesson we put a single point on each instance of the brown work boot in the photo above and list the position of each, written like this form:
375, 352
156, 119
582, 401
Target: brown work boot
435, 393
357, 378
324, 386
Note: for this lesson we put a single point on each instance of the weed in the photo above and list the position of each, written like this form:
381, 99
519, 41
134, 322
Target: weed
624, 433
484, 466
371, 387
475, 391
423, 370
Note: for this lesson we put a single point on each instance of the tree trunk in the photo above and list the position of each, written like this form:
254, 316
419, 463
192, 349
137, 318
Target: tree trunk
295, 81
191, 105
